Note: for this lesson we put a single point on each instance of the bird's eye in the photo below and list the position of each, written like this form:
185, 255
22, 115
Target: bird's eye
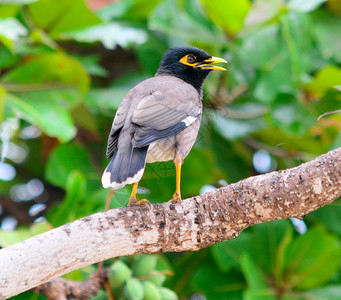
190, 59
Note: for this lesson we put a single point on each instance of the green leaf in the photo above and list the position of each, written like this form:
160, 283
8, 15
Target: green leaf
2, 102
55, 70
274, 81
329, 217
258, 288
110, 35
149, 54
228, 254
262, 11
61, 16
107, 100
46, 88
264, 45
115, 10
53, 119
228, 14
65, 159
236, 128
207, 279
265, 242
230, 157
91, 64
21, 234
327, 292
132, 10
7, 11
169, 19
298, 45
304, 6
11, 30
84, 119
327, 30
291, 116
7, 58
312, 259
75, 192
324, 80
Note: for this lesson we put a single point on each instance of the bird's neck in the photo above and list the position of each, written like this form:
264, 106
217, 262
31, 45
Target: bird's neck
195, 79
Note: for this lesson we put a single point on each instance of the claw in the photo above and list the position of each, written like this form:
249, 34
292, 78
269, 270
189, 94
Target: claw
132, 201
143, 202
176, 198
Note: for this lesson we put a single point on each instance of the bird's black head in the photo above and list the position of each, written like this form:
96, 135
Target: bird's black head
189, 64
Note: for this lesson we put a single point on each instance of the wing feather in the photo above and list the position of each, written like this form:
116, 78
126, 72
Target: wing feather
164, 113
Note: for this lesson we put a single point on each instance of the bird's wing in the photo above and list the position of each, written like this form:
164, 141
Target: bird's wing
117, 124
164, 113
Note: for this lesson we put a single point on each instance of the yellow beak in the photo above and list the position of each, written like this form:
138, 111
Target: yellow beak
206, 64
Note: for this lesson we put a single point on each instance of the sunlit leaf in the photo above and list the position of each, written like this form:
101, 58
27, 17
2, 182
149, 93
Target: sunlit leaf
262, 11
304, 6
325, 79
7, 11
327, 292
228, 14
135, 10
111, 35
53, 119
61, 16
10, 30
56, 70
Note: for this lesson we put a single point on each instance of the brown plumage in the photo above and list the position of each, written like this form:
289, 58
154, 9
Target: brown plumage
159, 119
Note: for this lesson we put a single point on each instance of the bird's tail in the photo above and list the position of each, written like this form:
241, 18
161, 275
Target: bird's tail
125, 167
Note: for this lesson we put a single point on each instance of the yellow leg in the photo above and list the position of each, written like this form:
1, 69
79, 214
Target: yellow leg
178, 164
133, 200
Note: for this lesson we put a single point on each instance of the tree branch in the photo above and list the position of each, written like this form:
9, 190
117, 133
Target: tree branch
194, 223
62, 289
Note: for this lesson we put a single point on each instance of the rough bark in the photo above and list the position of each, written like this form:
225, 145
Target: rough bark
61, 289
194, 223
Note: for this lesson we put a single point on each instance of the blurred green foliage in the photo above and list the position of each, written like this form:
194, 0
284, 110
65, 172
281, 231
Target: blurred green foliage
65, 68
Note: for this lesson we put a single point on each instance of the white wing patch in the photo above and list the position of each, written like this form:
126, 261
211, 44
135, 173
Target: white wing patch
189, 120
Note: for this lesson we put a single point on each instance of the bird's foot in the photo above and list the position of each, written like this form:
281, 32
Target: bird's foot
176, 198
143, 202
133, 201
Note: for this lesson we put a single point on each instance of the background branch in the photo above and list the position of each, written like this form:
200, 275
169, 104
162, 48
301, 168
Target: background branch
194, 223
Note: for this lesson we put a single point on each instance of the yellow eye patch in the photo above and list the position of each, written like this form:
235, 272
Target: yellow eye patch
189, 59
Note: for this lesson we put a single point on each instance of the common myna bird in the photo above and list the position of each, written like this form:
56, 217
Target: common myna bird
159, 119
